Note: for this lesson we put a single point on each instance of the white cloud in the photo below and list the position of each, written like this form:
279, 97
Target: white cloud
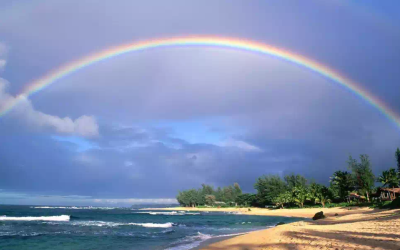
240, 144
3, 52
82, 126
87, 159
2, 63
128, 163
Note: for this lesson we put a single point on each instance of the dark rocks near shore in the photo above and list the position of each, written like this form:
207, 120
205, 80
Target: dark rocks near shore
318, 216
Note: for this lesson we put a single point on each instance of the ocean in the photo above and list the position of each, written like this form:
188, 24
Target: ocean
48, 227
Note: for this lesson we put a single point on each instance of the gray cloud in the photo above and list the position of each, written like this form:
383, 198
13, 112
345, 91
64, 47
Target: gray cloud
104, 173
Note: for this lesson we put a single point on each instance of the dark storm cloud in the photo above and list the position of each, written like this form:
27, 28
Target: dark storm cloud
285, 119
139, 171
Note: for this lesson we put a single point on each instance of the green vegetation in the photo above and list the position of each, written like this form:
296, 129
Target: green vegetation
387, 204
341, 184
389, 178
269, 188
247, 200
295, 191
210, 197
322, 194
393, 205
363, 178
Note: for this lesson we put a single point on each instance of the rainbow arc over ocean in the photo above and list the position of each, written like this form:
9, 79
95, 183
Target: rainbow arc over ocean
202, 41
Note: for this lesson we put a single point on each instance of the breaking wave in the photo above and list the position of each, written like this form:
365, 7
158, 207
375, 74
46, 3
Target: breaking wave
101, 208
116, 224
40, 218
160, 225
20, 234
168, 213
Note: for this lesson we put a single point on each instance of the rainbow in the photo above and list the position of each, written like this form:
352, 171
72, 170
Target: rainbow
207, 41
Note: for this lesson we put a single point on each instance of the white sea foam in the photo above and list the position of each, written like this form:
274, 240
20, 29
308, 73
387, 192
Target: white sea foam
190, 242
116, 224
2, 234
233, 212
203, 236
228, 235
40, 218
101, 208
168, 213
160, 225
97, 223
159, 213
164, 213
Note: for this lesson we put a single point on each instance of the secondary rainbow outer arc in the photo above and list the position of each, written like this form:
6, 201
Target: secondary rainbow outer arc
233, 43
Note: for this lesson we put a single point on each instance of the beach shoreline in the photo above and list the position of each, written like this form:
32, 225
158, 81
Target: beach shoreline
206, 243
299, 213
343, 228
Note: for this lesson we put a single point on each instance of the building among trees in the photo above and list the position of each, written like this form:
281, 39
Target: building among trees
388, 194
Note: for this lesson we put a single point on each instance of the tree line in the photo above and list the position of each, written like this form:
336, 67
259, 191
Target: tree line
208, 196
296, 190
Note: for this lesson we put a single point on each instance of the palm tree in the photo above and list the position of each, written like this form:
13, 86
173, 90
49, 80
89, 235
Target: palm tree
300, 195
283, 198
322, 194
389, 178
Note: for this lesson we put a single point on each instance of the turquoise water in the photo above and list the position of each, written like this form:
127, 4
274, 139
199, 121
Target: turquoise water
38, 227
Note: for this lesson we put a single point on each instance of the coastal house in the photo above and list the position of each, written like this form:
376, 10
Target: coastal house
388, 194
219, 203
356, 197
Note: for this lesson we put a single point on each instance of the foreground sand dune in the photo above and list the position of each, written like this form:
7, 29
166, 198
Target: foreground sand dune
358, 228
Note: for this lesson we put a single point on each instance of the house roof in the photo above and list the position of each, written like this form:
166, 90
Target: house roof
355, 195
395, 190
219, 202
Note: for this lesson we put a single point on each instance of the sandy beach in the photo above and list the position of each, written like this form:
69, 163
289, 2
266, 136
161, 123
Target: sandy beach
305, 213
358, 228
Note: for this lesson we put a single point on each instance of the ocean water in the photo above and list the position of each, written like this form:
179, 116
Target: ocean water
44, 227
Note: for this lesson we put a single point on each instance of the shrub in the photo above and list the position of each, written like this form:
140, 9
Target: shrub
392, 204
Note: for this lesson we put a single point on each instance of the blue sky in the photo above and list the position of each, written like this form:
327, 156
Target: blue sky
140, 127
